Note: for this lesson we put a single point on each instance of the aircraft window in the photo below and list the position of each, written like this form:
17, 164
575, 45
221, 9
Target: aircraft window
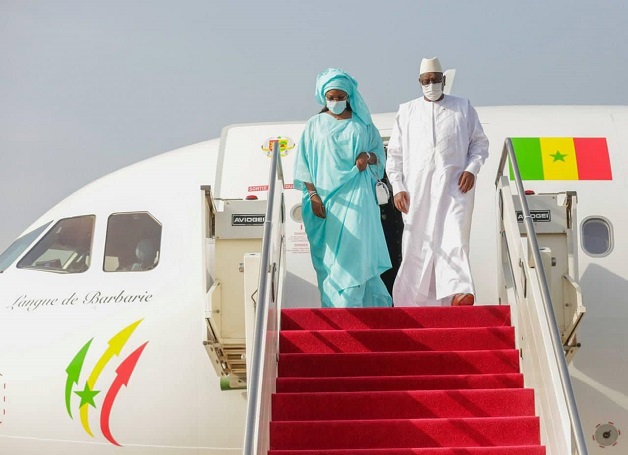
597, 237
133, 242
66, 248
19, 246
296, 213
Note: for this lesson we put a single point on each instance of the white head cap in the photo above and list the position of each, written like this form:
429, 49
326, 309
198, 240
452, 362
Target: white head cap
430, 65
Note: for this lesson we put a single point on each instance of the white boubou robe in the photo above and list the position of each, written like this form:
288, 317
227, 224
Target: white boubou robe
431, 144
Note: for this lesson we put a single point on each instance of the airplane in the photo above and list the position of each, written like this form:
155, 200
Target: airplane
128, 310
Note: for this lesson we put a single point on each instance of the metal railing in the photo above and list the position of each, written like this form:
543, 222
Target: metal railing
559, 354
254, 437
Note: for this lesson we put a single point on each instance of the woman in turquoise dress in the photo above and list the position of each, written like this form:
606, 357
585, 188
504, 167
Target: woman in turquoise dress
339, 155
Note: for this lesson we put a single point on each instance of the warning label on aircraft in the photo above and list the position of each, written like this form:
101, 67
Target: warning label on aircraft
257, 188
298, 243
539, 216
247, 220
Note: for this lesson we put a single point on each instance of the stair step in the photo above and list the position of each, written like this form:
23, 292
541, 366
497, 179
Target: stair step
378, 383
390, 340
394, 318
398, 363
402, 405
510, 450
397, 433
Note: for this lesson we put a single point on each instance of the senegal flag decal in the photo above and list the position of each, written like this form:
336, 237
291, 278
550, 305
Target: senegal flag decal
562, 158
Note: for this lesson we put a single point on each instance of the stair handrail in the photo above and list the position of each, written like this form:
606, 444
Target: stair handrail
254, 441
550, 317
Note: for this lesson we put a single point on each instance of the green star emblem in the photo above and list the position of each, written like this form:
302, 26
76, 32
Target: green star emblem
558, 156
87, 396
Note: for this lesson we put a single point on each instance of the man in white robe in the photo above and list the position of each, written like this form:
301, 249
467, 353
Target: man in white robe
435, 152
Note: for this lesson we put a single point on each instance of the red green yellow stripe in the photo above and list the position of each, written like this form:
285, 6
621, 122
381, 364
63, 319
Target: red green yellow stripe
562, 158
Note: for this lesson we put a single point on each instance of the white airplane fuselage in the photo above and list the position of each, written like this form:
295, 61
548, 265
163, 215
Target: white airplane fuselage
154, 390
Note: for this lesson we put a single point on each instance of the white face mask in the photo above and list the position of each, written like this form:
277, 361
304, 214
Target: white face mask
337, 107
433, 91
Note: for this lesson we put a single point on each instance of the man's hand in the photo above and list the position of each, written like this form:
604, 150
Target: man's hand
466, 181
317, 206
402, 201
362, 161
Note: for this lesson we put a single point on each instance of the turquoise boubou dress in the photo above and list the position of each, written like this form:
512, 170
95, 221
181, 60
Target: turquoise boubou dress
348, 247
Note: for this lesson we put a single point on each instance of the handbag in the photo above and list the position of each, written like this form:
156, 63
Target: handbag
382, 193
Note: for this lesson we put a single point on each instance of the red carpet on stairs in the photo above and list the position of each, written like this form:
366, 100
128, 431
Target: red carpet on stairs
401, 381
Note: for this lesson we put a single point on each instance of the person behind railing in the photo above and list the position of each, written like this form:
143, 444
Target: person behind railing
340, 211
436, 149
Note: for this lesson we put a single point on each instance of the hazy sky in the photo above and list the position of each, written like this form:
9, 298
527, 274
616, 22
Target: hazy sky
89, 86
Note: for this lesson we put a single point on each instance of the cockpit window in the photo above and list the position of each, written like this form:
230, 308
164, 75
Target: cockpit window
597, 236
66, 248
17, 248
133, 242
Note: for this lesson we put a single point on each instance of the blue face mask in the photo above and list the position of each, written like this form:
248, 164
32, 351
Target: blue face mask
337, 107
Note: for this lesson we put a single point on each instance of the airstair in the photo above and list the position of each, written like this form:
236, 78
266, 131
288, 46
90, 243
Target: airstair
401, 381
489, 379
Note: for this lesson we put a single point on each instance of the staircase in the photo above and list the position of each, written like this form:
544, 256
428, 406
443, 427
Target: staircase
397, 381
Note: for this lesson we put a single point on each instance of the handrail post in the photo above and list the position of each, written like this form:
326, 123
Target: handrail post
559, 353
254, 399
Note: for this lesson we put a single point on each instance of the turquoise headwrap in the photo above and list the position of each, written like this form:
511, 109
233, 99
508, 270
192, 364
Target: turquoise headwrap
334, 78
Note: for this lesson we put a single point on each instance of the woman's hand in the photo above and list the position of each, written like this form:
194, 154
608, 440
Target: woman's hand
362, 161
317, 206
